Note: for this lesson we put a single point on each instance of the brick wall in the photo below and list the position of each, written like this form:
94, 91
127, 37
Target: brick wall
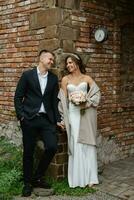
18, 48
68, 26
107, 61
127, 60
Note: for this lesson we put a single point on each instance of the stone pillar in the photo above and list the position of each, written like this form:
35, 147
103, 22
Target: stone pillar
59, 37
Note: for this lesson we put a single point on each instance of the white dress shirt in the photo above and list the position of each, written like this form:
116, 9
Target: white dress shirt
43, 82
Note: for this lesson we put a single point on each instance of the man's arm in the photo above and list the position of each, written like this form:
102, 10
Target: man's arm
55, 101
19, 97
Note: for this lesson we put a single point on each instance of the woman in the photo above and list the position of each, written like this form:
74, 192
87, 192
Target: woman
79, 97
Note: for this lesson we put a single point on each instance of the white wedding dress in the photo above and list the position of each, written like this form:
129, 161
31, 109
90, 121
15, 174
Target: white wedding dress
82, 164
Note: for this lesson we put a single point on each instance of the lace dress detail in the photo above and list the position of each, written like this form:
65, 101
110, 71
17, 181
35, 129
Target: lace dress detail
82, 164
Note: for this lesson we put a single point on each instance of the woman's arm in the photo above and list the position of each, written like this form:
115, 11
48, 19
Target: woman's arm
64, 82
89, 80
93, 97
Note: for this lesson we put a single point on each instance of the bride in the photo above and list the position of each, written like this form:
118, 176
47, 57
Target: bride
79, 97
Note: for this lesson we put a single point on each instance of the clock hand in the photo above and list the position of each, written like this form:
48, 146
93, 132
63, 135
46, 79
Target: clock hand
99, 35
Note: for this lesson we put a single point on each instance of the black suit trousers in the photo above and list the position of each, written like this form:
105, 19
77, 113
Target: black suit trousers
39, 126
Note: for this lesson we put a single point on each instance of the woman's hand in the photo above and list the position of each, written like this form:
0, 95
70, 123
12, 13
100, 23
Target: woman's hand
61, 125
83, 105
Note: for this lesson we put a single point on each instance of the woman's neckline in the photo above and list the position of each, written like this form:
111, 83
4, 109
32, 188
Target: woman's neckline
77, 84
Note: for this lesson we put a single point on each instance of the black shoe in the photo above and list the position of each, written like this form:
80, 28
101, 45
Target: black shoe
27, 190
41, 184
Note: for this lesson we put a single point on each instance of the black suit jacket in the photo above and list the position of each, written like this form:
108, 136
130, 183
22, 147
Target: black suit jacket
28, 96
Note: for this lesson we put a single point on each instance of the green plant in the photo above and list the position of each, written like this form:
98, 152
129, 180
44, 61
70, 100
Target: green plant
10, 169
62, 188
5, 197
11, 175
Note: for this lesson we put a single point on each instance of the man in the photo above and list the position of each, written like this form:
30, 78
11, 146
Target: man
36, 106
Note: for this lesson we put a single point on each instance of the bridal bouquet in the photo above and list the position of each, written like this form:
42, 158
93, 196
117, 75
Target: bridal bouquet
77, 97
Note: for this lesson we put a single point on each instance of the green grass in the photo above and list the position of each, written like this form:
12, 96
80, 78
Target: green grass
62, 188
11, 175
10, 170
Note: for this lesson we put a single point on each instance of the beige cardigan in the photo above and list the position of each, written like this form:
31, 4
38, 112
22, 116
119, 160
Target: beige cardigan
88, 121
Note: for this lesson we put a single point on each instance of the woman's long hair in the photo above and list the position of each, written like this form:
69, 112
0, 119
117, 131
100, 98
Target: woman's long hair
78, 61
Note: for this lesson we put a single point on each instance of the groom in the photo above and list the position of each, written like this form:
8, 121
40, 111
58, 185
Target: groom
36, 107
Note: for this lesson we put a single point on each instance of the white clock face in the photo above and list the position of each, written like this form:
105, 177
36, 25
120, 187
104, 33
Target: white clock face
99, 35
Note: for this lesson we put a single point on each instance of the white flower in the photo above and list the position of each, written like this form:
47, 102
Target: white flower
77, 97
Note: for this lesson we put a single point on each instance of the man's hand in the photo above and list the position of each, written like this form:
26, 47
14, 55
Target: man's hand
61, 125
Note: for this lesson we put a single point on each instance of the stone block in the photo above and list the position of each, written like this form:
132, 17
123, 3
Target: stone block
48, 3
68, 33
68, 46
72, 4
43, 192
46, 18
51, 32
56, 71
67, 21
50, 44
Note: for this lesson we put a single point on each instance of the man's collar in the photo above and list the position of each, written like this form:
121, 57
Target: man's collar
39, 73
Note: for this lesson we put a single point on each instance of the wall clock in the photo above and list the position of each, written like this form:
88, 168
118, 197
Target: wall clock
101, 34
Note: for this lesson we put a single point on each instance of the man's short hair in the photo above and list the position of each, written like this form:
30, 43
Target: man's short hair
45, 51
